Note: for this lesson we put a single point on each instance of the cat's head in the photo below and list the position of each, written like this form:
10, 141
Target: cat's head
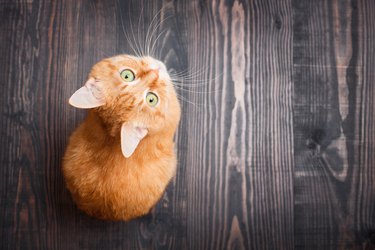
134, 97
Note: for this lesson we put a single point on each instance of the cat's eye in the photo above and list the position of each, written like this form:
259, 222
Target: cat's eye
152, 99
127, 75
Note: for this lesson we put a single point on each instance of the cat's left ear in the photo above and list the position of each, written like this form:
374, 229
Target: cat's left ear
130, 138
89, 96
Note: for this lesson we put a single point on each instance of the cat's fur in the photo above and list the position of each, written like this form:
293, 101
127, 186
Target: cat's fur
103, 182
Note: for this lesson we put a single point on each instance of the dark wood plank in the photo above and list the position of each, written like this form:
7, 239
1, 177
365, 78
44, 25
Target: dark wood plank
363, 199
332, 101
276, 140
232, 198
23, 176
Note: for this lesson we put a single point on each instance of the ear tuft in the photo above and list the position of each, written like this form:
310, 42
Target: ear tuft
89, 96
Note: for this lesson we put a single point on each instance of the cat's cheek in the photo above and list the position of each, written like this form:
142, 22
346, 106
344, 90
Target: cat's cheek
164, 76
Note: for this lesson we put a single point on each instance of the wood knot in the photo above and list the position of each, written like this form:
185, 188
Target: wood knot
277, 22
315, 138
368, 239
371, 238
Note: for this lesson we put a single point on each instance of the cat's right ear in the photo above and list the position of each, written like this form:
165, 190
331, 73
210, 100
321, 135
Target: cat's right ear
89, 96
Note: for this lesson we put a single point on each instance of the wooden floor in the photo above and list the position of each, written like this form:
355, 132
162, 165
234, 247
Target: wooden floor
276, 142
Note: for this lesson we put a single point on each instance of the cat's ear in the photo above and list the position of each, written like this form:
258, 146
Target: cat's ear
89, 96
130, 138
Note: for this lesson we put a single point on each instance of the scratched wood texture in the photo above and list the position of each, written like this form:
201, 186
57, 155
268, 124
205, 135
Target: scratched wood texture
276, 142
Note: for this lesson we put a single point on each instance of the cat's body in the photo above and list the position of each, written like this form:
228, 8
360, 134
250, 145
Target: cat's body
103, 182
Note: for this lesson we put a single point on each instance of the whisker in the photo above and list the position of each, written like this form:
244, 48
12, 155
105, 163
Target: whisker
192, 70
125, 33
194, 82
187, 79
155, 30
187, 101
155, 41
139, 51
148, 37
140, 31
190, 86
197, 92
189, 74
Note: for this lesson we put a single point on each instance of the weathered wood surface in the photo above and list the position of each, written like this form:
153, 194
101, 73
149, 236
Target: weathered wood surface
277, 139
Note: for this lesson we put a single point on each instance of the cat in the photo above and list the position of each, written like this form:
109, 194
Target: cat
119, 161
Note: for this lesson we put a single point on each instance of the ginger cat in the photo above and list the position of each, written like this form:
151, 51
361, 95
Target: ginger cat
121, 158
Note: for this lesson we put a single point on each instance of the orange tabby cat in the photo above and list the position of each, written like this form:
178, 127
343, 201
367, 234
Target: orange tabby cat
121, 158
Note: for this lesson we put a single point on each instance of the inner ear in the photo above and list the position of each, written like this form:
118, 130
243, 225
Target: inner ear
89, 96
130, 137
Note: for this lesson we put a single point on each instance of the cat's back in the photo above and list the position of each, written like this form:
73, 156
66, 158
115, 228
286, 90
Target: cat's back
106, 184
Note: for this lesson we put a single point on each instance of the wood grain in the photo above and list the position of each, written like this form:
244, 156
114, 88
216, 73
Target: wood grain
331, 89
277, 135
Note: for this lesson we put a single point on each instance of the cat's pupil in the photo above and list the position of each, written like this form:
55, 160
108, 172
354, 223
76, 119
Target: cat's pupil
151, 99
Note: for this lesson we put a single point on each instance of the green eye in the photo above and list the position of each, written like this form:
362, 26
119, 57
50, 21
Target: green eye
127, 75
152, 99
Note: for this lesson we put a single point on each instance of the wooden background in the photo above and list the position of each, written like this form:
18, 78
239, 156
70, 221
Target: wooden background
276, 142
